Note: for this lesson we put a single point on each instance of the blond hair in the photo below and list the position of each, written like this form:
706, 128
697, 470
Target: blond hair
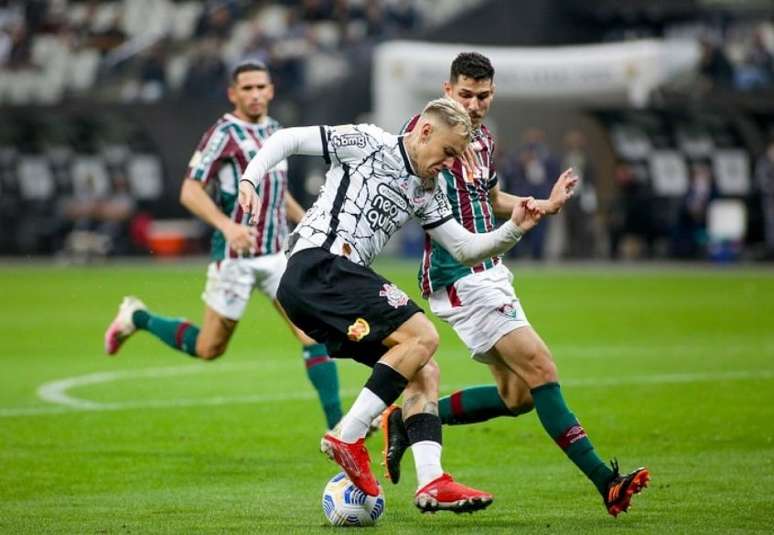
451, 113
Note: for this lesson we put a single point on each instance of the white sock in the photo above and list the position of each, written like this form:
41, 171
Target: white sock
355, 423
427, 461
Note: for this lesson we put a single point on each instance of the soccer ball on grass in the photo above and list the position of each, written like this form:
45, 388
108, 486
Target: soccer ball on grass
346, 505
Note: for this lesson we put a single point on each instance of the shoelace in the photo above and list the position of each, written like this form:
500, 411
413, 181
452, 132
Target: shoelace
614, 466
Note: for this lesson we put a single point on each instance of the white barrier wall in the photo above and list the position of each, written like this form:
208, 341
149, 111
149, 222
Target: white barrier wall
407, 74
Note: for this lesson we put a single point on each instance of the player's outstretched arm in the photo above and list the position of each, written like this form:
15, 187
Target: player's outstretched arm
503, 203
470, 248
286, 142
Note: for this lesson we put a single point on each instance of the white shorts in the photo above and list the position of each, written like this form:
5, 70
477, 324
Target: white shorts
231, 281
482, 308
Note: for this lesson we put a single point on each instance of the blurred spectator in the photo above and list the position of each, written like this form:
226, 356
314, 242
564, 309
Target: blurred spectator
533, 174
631, 221
289, 54
153, 75
689, 237
217, 19
715, 65
580, 214
109, 38
374, 17
316, 11
17, 46
207, 73
764, 175
402, 16
757, 70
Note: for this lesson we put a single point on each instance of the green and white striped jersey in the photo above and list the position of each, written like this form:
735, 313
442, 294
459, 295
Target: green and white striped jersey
220, 159
469, 198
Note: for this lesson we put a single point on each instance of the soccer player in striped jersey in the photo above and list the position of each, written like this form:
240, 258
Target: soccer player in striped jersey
244, 256
376, 182
480, 304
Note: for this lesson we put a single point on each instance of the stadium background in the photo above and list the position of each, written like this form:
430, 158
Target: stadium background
668, 363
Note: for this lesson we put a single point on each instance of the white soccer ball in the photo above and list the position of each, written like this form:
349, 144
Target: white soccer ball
346, 505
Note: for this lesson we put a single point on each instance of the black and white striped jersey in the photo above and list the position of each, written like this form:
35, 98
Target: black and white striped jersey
370, 191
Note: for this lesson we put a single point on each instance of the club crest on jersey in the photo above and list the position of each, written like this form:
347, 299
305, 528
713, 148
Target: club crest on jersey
508, 310
358, 330
395, 296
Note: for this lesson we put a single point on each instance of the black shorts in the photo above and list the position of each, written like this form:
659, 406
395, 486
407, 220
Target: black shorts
348, 307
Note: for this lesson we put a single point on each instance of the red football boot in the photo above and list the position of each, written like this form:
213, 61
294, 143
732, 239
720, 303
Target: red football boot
621, 489
444, 494
354, 460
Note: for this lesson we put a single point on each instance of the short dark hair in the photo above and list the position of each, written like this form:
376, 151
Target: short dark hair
473, 65
247, 66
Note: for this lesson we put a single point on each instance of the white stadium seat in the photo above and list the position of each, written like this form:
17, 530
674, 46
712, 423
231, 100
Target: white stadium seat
669, 173
36, 181
145, 175
731, 168
89, 176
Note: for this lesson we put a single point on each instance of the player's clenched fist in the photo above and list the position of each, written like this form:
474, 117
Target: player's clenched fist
527, 213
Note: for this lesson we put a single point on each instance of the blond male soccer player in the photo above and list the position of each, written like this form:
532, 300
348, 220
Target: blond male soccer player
244, 256
376, 182
480, 304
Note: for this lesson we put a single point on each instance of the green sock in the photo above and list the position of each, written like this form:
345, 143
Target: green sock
321, 370
564, 428
471, 405
174, 332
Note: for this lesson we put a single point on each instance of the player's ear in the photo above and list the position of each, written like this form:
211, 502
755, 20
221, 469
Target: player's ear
492, 89
448, 89
232, 94
426, 131
270, 91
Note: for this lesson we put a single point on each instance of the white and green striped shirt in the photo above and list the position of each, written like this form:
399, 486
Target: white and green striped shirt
472, 208
220, 158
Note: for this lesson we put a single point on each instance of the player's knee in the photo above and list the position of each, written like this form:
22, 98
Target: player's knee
431, 372
546, 368
426, 341
429, 341
542, 368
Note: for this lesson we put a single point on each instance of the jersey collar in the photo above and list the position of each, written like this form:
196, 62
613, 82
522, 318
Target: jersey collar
406, 160
260, 124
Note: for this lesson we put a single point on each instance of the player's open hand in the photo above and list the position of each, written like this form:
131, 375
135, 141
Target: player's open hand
527, 213
562, 190
248, 200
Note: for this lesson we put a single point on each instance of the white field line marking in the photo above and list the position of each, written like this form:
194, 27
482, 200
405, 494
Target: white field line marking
56, 391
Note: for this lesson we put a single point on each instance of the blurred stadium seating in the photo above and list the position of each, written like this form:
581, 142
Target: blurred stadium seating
96, 101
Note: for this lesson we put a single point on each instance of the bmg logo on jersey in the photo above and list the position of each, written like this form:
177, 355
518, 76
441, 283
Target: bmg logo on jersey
384, 210
348, 140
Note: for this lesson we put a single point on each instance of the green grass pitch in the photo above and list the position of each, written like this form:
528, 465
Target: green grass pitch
673, 369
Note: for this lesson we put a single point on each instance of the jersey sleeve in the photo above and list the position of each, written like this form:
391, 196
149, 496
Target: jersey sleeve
436, 212
208, 157
350, 143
